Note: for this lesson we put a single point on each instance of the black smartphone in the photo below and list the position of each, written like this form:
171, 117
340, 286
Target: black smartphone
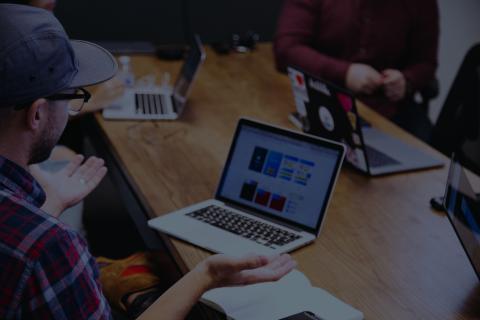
305, 315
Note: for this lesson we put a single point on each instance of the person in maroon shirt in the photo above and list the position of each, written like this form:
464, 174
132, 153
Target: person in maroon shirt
382, 50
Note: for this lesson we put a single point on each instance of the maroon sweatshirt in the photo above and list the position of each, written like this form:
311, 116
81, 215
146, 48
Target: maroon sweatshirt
325, 36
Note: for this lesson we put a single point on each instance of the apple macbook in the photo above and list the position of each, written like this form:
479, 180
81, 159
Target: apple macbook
160, 103
328, 111
272, 196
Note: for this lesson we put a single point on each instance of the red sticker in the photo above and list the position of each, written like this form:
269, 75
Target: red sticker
345, 101
300, 80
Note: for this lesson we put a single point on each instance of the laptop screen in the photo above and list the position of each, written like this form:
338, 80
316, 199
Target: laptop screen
283, 174
463, 207
194, 59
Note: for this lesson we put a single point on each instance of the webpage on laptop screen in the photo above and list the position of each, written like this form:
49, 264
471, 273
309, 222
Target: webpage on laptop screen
280, 175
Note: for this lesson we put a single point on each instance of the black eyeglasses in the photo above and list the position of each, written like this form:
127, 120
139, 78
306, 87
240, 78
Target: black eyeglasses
77, 100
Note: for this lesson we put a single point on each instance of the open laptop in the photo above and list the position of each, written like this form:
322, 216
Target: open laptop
160, 103
272, 196
328, 111
462, 203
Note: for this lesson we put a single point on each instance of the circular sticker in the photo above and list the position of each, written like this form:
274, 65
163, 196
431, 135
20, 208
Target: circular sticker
326, 118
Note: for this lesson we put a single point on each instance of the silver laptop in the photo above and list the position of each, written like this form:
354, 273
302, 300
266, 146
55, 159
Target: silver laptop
462, 203
160, 103
272, 196
328, 111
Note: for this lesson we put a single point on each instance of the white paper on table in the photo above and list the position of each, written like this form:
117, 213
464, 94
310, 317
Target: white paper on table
275, 300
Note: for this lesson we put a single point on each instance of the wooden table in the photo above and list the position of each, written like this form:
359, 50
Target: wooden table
382, 249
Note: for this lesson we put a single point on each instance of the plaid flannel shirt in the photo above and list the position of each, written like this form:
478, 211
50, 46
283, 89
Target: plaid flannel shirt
47, 271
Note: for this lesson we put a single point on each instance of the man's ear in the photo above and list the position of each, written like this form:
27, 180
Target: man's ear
36, 113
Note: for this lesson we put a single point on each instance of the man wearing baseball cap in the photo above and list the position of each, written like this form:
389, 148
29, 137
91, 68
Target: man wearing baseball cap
47, 270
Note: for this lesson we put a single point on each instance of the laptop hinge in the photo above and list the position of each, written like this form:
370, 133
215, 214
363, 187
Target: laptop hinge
259, 215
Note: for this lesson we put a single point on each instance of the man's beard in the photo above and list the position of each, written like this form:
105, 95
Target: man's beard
42, 148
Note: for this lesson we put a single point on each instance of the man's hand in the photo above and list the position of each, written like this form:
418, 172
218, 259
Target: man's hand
70, 185
224, 271
216, 271
394, 84
362, 78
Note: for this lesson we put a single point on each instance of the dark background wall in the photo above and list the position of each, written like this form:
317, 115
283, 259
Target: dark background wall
160, 21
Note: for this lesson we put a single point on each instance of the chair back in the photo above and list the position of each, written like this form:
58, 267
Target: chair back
458, 127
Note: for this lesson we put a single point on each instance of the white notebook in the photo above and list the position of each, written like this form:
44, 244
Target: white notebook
276, 300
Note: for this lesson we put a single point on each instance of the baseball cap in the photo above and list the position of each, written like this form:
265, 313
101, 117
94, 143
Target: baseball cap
37, 59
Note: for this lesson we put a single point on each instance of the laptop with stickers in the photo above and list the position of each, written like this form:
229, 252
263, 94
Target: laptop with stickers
328, 111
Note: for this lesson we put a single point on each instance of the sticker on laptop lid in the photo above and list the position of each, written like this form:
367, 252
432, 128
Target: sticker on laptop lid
319, 86
299, 84
356, 140
352, 117
350, 154
301, 108
326, 118
356, 157
345, 101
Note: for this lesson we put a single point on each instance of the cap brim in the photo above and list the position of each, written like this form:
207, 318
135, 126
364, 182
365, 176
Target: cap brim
95, 64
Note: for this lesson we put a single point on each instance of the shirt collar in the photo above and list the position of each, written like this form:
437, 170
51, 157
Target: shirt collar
20, 182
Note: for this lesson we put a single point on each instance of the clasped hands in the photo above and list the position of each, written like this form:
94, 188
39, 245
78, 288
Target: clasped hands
364, 79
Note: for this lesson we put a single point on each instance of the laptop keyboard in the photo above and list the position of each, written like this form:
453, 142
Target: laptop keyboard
254, 230
378, 159
151, 103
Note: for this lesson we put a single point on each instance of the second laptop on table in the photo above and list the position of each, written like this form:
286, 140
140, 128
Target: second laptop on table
328, 111
272, 196
160, 103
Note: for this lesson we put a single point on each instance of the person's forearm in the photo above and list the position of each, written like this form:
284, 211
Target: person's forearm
179, 299
420, 75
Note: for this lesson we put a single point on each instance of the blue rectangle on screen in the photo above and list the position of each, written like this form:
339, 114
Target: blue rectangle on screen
272, 166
